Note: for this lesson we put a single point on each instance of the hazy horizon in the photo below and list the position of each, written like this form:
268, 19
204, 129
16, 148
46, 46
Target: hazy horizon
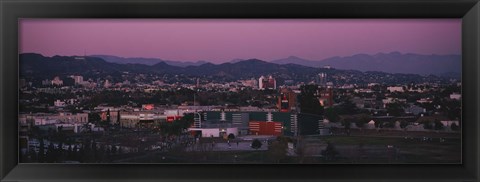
219, 41
226, 61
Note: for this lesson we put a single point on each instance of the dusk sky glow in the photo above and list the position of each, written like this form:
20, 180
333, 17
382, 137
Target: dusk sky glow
223, 40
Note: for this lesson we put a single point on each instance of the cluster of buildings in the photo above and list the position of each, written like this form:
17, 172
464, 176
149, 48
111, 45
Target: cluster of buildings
262, 83
45, 119
78, 80
216, 121
55, 82
265, 83
222, 124
239, 120
66, 122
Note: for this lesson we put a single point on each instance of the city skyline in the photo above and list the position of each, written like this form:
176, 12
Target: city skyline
402, 106
217, 41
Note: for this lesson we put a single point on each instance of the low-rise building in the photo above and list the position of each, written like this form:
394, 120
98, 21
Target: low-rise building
395, 89
57, 81
47, 118
455, 96
415, 110
215, 128
133, 119
242, 120
266, 128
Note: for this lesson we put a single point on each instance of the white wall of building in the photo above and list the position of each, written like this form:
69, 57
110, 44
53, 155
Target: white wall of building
455, 96
44, 119
395, 89
233, 131
215, 132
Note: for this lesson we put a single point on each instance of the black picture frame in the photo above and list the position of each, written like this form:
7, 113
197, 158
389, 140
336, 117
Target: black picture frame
12, 10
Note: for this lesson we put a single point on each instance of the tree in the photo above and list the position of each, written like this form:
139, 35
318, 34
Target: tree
75, 153
346, 124
361, 150
118, 118
454, 127
231, 136
277, 151
173, 128
108, 116
101, 153
395, 109
284, 139
361, 120
178, 126
60, 153
32, 155
428, 125
41, 151
114, 150
330, 153
403, 124
81, 155
452, 109
256, 144
69, 153
332, 115
108, 153
50, 156
186, 121
438, 125
67, 81
309, 124
94, 117
348, 108
120, 151
388, 124
94, 151
87, 155
359, 123
308, 101
365, 118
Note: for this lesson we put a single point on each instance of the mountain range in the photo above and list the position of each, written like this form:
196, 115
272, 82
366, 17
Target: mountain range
32, 64
38, 67
393, 62
147, 61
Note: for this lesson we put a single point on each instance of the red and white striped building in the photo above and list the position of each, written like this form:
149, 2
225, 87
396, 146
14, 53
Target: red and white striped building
265, 128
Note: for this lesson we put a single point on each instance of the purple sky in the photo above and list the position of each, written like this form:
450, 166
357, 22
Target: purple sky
223, 40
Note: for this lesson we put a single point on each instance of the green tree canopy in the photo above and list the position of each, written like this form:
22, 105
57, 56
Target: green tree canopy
277, 151
176, 127
332, 114
395, 109
347, 108
330, 153
361, 120
454, 127
403, 124
309, 101
428, 125
231, 136
94, 117
256, 144
438, 125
